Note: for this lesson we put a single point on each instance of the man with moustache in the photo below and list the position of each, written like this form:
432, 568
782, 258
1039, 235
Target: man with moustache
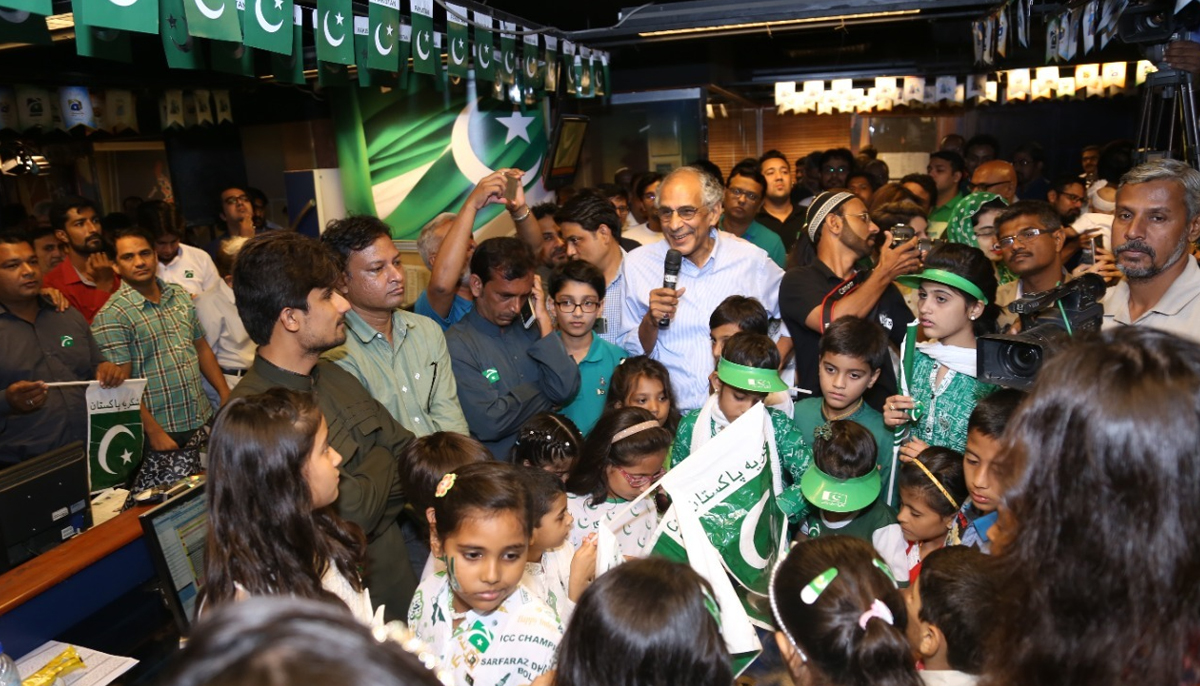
86, 277
285, 286
1157, 217
996, 176
715, 266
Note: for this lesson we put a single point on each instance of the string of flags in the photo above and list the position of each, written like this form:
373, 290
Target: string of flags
381, 46
25, 109
1072, 32
1019, 85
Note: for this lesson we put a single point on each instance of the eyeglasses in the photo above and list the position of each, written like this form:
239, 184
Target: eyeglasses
976, 187
748, 195
685, 213
864, 216
237, 200
639, 481
1024, 236
1071, 196
568, 307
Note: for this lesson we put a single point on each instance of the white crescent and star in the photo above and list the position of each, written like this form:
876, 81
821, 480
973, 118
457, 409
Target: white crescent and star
517, 125
466, 160
109, 435
328, 37
262, 21
482, 50
531, 66
423, 54
454, 57
123, 3
510, 68
378, 45
204, 9
746, 540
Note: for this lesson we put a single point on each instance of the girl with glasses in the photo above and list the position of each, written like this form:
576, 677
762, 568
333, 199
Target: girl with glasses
623, 455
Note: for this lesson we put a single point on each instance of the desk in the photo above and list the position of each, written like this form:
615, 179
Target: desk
49, 594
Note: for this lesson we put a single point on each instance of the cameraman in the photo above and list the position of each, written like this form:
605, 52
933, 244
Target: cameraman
1030, 240
1157, 217
835, 285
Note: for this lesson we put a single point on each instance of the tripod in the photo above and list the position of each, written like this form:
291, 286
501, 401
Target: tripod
1168, 104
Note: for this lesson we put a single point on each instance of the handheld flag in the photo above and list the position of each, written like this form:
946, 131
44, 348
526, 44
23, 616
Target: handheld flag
114, 432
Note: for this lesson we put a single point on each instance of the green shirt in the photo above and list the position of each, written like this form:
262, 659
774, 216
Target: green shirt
947, 407
595, 374
939, 218
808, 417
411, 376
766, 239
795, 456
158, 341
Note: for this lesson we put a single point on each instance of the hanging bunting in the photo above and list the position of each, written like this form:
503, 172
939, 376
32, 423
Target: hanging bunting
384, 24
332, 28
120, 111
508, 52
534, 76
458, 53
484, 48
23, 27
1002, 32
268, 26
290, 68
550, 68
568, 65
422, 26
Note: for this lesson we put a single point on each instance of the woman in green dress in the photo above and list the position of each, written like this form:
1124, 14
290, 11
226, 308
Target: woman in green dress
973, 223
939, 388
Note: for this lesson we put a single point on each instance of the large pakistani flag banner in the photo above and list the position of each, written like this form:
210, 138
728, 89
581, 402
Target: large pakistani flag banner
408, 155
114, 432
725, 523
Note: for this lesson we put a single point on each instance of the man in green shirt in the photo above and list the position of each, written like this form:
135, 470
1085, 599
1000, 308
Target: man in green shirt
744, 195
400, 357
284, 284
947, 169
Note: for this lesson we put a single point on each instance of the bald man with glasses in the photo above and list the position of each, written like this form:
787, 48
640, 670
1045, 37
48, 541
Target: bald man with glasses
996, 176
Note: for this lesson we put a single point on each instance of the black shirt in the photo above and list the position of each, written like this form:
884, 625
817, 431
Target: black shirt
791, 232
805, 288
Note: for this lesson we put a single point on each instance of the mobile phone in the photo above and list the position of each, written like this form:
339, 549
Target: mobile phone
901, 234
528, 318
1098, 242
1088, 254
601, 326
510, 187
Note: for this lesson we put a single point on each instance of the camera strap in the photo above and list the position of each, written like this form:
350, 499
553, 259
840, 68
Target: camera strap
840, 291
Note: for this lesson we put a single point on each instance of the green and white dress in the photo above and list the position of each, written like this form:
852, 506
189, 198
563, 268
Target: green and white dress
550, 579
946, 406
633, 530
510, 646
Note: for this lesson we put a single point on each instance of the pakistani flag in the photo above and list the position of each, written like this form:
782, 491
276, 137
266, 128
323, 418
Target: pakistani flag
568, 67
332, 27
601, 75
550, 66
585, 76
459, 48
232, 57
384, 24
724, 505
410, 155
127, 15
42, 7
424, 53
268, 26
23, 26
485, 62
181, 51
213, 19
290, 68
531, 70
508, 51
90, 41
114, 432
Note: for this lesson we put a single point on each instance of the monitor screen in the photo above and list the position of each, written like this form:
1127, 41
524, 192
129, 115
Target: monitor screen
43, 502
175, 534
565, 149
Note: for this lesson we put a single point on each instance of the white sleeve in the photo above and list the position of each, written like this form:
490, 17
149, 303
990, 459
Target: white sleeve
890, 544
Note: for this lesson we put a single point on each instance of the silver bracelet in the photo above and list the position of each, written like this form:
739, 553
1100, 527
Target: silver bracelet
524, 216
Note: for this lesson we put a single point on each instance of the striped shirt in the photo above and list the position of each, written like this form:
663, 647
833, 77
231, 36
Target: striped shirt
735, 267
159, 341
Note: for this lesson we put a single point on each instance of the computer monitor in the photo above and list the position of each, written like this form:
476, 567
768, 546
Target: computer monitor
43, 502
175, 533
566, 146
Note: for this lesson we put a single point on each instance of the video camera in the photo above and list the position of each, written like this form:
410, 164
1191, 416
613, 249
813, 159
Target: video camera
1048, 320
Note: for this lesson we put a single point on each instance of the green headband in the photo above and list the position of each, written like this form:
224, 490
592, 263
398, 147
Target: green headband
754, 379
944, 277
840, 495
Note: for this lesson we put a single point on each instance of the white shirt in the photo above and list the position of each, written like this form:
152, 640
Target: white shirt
735, 267
192, 268
1177, 311
642, 234
217, 312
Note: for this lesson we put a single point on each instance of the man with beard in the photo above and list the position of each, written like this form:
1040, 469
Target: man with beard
743, 197
778, 213
715, 266
86, 277
838, 283
1157, 216
548, 246
1067, 195
285, 286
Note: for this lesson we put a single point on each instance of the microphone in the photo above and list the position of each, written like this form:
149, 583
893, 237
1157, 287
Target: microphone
670, 278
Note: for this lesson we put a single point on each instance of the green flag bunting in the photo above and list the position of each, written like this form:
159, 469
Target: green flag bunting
550, 65
42, 7
289, 68
90, 41
181, 50
213, 19
384, 25
114, 432
485, 63
127, 15
600, 78
23, 26
232, 57
405, 51
458, 51
331, 27
268, 26
424, 54
531, 70
568, 67
508, 51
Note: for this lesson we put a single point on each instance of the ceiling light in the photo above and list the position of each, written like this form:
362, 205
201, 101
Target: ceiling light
781, 23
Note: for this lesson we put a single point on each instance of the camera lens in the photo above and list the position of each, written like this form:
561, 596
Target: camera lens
1022, 360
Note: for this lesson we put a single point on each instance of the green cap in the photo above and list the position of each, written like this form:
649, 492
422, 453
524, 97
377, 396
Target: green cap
944, 277
754, 379
840, 495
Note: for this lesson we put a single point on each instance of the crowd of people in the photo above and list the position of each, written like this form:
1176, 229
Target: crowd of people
443, 475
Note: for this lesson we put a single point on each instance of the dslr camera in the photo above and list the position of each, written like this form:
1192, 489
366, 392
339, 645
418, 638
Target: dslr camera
1048, 320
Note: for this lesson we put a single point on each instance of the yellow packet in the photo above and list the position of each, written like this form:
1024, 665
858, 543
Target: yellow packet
64, 663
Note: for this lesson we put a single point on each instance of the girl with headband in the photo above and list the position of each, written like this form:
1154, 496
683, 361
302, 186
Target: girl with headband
622, 457
938, 385
932, 489
841, 619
